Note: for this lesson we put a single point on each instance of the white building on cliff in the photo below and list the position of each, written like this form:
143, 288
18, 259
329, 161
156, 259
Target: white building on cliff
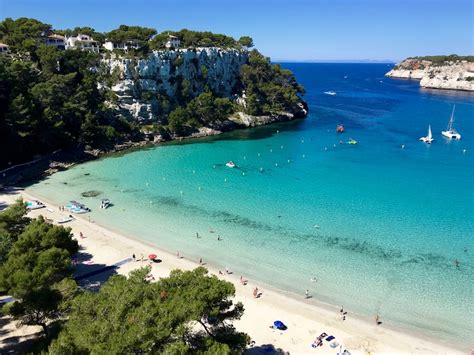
55, 40
83, 42
172, 42
109, 45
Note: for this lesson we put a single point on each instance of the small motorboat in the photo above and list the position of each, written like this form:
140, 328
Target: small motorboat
352, 141
66, 219
429, 138
105, 203
76, 207
230, 164
331, 93
340, 128
34, 205
451, 132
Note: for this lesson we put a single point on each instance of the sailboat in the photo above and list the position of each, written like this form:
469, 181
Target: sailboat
451, 132
429, 138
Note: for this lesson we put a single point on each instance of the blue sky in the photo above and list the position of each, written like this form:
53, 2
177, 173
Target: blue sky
299, 30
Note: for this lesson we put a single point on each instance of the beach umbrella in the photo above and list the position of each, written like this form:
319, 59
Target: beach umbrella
279, 325
152, 256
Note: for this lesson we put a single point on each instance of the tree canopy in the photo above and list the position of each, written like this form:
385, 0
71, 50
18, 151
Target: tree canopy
190, 38
13, 222
269, 88
37, 273
131, 33
187, 312
23, 34
54, 102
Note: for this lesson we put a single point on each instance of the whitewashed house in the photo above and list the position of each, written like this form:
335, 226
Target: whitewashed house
172, 42
55, 40
109, 45
4, 48
83, 42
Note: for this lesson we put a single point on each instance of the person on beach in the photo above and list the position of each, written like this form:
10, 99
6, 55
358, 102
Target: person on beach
377, 319
219, 238
255, 292
133, 257
81, 235
306, 294
200, 261
177, 254
197, 235
220, 273
456, 263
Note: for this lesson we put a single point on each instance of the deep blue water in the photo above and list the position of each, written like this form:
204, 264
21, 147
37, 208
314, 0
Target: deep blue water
379, 225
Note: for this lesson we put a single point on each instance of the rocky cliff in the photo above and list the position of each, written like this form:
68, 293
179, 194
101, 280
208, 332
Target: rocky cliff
137, 83
449, 75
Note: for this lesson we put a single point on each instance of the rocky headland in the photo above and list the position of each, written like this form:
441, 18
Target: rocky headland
438, 72
140, 85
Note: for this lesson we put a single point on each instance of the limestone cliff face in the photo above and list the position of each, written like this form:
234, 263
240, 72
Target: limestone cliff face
168, 72
457, 75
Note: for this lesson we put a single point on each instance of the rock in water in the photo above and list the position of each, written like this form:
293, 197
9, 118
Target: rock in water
91, 193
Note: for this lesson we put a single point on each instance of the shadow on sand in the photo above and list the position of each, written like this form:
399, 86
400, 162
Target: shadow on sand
265, 349
89, 275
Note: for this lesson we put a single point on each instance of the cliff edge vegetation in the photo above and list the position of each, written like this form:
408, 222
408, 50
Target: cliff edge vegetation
451, 72
79, 89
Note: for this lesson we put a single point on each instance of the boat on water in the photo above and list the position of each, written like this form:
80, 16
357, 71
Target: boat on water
76, 207
451, 132
230, 164
332, 93
429, 138
34, 205
105, 203
352, 141
340, 128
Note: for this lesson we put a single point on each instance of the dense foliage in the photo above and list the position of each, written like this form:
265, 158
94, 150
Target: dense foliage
204, 110
53, 102
131, 33
187, 312
269, 88
200, 39
22, 34
37, 271
13, 222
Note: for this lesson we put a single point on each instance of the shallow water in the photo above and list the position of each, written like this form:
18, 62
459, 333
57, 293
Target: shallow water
378, 226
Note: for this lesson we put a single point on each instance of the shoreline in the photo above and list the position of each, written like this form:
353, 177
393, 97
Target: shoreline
47, 165
429, 87
305, 319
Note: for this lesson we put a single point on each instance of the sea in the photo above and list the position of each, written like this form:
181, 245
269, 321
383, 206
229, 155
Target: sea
384, 226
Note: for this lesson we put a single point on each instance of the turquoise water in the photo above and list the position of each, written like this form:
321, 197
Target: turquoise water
391, 220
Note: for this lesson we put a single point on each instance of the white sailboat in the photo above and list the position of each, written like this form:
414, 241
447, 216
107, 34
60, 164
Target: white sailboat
451, 132
429, 138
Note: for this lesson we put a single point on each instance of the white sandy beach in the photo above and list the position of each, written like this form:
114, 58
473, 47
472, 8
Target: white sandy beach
305, 319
